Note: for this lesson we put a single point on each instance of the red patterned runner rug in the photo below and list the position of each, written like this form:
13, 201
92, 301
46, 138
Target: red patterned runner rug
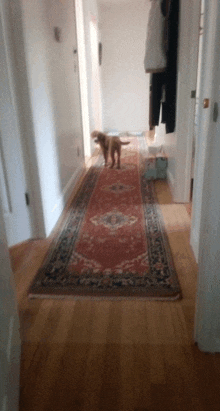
112, 243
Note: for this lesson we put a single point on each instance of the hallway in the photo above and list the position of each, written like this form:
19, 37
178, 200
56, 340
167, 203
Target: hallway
115, 355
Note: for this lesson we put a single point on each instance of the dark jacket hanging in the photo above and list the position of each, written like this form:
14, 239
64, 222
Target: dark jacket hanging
157, 81
168, 79
171, 71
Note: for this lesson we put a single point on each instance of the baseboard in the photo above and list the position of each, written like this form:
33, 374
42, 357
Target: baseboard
194, 242
72, 182
63, 198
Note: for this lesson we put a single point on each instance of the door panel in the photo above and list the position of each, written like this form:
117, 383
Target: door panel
10, 344
12, 180
188, 44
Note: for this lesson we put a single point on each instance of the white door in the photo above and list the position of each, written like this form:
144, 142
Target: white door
12, 181
10, 344
83, 78
207, 187
188, 45
96, 87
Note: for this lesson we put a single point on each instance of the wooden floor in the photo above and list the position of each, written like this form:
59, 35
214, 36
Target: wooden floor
115, 356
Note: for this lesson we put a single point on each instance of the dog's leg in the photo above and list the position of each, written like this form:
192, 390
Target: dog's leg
112, 157
119, 157
105, 155
106, 158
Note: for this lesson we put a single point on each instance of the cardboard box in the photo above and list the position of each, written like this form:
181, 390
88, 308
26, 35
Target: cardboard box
156, 167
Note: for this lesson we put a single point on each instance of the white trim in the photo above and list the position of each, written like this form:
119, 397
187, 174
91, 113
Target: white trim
80, 29
65, 195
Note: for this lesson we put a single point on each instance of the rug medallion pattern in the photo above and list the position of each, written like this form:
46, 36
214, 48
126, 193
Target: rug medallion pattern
113, 242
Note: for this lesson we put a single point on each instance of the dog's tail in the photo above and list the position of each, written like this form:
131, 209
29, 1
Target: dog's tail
123, 143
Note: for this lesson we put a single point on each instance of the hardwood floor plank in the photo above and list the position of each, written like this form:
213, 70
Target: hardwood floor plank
157, 364
94, 382
114, 329
111, 379
81, 322
141, 377
68, 391
100, 321
127, 393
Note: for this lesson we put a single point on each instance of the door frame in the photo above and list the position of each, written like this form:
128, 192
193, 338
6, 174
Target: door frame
80, 30
204, 119
17, 67
206, 212
18, 218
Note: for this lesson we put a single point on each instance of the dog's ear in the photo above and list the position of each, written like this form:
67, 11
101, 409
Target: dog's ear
101, 136
94, 134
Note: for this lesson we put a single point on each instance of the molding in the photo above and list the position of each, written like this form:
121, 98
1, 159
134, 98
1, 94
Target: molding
72, 182
65, 195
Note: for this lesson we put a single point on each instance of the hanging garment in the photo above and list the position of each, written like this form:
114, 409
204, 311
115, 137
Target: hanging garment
165, 8
171, 70
155, 57
168, 79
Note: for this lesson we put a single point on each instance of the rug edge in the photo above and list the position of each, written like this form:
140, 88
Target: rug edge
41, 296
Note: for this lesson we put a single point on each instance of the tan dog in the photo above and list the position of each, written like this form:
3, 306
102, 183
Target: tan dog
110, 145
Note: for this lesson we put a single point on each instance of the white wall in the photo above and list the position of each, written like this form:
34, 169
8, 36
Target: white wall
55, 102
64, 86
125, 85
